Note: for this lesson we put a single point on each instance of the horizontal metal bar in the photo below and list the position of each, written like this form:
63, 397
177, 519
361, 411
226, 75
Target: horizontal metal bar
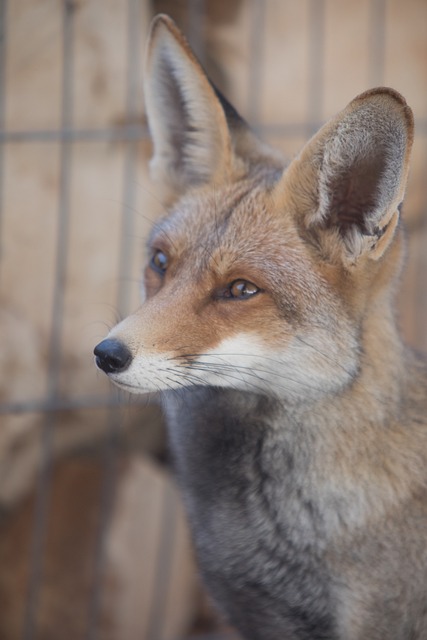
140, 132
126, 133
71, 404
130, 133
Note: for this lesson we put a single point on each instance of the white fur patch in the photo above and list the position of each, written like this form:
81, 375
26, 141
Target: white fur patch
238, 362
149, 374
301, 370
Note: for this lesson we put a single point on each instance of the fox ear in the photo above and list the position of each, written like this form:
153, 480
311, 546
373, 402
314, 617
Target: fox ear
188, 124
349, 180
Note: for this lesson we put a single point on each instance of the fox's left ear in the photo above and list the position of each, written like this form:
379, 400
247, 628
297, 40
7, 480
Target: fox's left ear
349, 180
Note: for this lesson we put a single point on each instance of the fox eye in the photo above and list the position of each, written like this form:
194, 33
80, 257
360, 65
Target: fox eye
159, 261
241, 290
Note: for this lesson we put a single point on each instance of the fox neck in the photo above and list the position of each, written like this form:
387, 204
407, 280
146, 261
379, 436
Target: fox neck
322, 458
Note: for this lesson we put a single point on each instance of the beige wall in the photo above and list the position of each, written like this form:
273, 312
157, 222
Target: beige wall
288, 65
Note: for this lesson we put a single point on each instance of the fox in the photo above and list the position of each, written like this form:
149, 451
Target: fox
297, 416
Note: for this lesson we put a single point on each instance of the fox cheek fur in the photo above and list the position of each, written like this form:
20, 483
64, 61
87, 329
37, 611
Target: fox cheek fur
297, 418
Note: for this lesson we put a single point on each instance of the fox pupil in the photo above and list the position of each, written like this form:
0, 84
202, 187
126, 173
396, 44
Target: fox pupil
241, 289
159, 261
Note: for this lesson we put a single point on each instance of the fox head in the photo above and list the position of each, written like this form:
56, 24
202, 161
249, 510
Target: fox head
261, 277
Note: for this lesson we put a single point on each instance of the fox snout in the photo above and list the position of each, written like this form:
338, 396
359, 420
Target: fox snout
112, 356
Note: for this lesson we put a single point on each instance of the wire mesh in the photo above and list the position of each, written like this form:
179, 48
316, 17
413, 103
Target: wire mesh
67, 135
54, 352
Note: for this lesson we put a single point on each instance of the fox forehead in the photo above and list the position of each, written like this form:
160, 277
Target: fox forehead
229, 226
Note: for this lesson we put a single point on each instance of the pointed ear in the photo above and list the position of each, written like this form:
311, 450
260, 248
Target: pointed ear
349, 180
188, 124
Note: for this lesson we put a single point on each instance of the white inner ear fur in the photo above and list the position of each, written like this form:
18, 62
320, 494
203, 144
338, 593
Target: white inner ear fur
187, 123
361, 159
363, 144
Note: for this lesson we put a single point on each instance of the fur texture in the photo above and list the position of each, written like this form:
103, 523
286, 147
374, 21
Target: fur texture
297, 417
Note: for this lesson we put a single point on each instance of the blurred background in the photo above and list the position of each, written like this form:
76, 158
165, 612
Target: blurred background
93, 541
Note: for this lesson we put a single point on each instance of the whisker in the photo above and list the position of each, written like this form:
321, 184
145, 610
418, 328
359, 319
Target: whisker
228, 376
322, 353
252, 371
221, 373
187, 376
175, 381
288, 389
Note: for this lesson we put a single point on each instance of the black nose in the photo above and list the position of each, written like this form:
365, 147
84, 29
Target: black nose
112, 356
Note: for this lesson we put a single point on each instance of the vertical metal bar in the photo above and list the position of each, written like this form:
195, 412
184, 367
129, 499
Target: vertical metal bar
105, 511
377, 20
316, 64
196, 20
256, 53
54, 361
133, 108
3, 19
164, 558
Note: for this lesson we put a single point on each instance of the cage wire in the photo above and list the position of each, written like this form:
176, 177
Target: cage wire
130, 134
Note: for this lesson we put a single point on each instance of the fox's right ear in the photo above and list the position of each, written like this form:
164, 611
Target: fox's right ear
348, 182
191, 137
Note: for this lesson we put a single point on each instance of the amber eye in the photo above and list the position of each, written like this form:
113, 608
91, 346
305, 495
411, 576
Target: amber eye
241, 290
159, 261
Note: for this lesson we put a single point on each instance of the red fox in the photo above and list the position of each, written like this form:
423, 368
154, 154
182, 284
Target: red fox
297, 417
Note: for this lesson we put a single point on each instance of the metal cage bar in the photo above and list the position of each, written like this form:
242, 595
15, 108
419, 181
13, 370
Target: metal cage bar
54, 352
131, 134
3, 17
378, 22
316, 20
133, 77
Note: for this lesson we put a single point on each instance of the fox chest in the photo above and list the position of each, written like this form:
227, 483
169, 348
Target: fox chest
254, 558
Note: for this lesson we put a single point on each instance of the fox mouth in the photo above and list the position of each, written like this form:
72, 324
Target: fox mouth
127, 386
132, 388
